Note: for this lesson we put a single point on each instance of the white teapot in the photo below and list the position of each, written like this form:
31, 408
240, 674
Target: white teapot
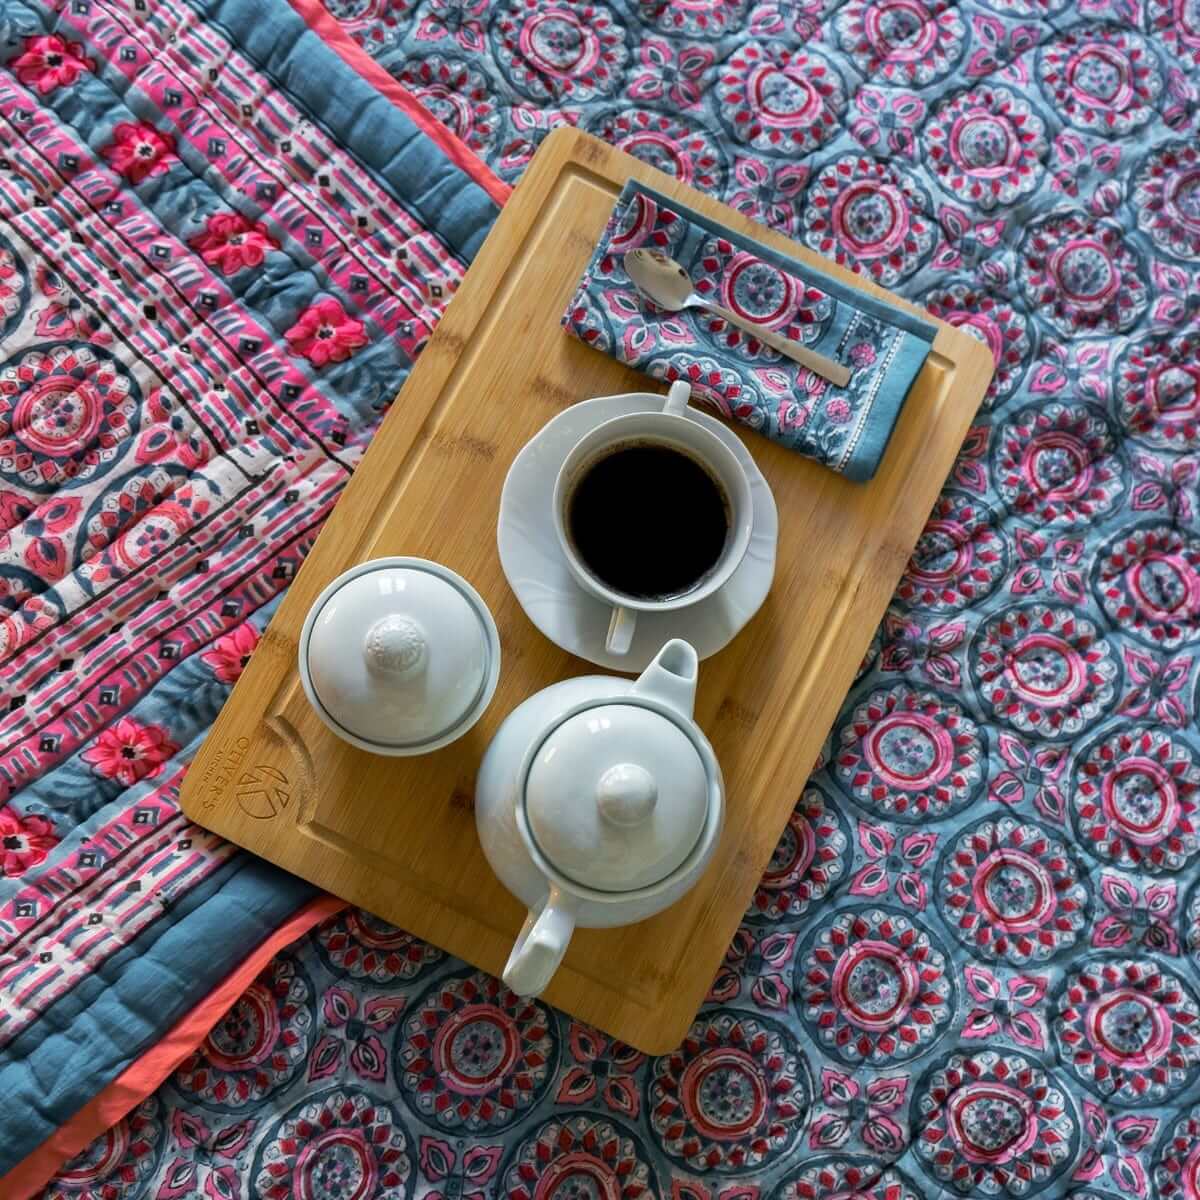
599, 802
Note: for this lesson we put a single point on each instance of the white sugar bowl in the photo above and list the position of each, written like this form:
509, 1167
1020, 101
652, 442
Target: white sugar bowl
399, 656
599, 802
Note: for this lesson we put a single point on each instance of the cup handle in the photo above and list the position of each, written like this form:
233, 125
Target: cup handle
540, 945
677, 398
620, 630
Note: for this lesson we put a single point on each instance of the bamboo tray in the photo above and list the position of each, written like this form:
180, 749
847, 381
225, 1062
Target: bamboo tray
397, 836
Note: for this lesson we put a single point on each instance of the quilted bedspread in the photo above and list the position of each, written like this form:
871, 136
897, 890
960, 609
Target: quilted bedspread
205, 303
971, 968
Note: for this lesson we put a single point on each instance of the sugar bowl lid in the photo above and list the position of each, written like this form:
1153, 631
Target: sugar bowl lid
618, 796
399, 656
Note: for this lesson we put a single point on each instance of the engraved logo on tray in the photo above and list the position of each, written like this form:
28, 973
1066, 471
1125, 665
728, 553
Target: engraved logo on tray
261, 791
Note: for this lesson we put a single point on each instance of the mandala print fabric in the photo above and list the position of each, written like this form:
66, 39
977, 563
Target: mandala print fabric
971, 967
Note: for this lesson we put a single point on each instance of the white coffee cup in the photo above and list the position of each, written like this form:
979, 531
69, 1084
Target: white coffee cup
670, 427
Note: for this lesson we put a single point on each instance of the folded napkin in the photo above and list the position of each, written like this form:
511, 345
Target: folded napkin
845, 428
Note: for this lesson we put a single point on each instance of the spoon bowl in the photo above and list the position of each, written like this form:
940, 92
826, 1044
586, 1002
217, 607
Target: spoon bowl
660, 279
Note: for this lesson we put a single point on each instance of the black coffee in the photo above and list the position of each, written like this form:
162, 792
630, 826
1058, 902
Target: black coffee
648, 520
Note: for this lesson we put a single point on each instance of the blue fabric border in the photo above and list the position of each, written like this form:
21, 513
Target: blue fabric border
85, 1040
881, 421
403, 158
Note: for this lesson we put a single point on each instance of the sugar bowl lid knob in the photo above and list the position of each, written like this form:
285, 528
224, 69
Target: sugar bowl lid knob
396, 645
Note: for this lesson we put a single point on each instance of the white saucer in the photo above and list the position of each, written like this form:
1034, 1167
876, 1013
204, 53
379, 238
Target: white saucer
571, 618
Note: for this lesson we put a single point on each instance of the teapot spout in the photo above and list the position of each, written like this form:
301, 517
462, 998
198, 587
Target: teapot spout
671, 677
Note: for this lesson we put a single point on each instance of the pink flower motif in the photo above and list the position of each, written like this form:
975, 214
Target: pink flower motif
14, 508
997, 1015
888, 119
966, 241
768, 193
139, 151
841, 1095
1146, 918
760, 960
1157, 689
129, 751
998, 46
886, 863
693, 1189
791, 415
604, 1069
230, 242
811, 383
1071, 156
49, 61
908, 645
199, 1171
970, 468
1165, 485
65, 315
1115, 1147
24, 841
167, 436
44, 553
467, 1179
775, 17
863, 354
837, 410
324, 333
1036, 772
230, 654
637, 339
1039, 559
368, 1058
677, 76
459, 19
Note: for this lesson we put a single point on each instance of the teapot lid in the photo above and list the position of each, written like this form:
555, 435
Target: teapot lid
399, 655
617, 797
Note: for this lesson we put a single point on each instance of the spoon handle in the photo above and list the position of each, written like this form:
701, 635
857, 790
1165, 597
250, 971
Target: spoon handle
827, 368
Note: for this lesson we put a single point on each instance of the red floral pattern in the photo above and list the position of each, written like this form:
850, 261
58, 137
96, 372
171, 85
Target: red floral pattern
129, 751
231, 242
50, 61
230, 654
139, 151
605, 1071
24, 841
324, 333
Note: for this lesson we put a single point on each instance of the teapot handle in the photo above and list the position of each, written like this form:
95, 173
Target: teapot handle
540, 945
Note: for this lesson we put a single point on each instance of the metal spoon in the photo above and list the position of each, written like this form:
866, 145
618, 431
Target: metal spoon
662, 280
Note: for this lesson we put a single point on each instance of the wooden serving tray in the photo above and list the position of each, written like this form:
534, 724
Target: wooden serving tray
397, 836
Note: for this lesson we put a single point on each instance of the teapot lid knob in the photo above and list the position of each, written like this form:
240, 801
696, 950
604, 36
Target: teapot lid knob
617, 796
626, 794
396, 645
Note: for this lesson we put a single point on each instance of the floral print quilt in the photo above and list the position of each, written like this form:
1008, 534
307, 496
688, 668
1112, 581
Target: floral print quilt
970, 969
206, 302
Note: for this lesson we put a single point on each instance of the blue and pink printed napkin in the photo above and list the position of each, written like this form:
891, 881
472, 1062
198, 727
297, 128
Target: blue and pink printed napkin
845, 428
